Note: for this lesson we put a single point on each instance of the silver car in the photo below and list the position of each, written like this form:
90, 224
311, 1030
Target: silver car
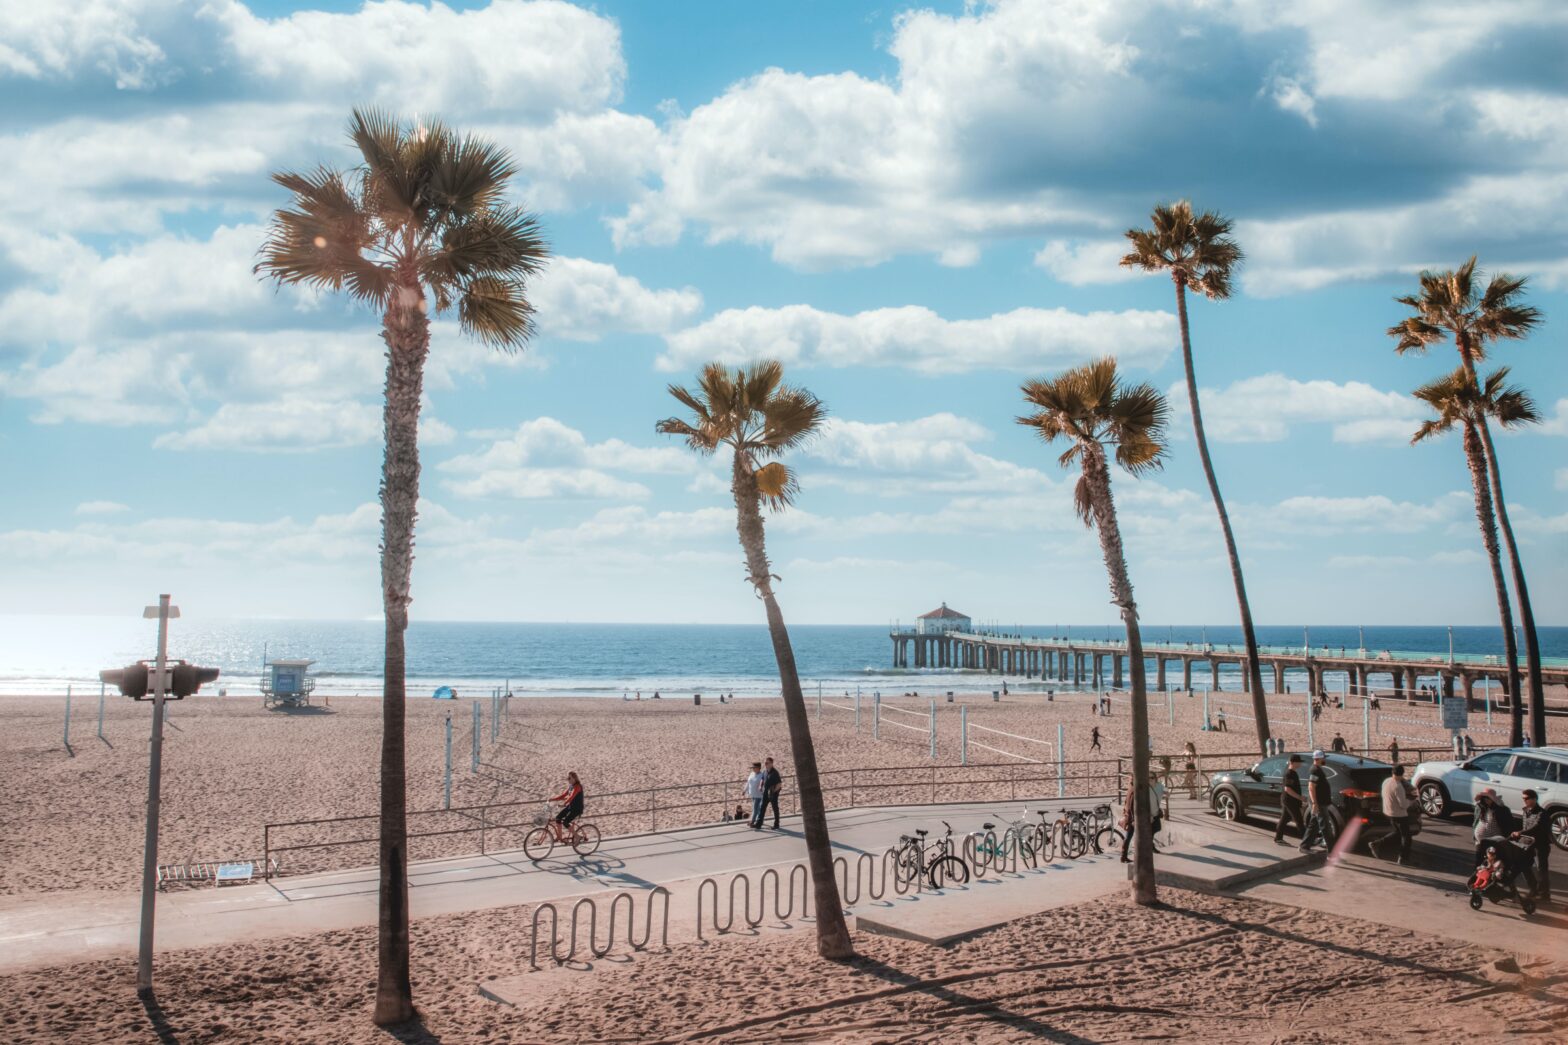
1448, 787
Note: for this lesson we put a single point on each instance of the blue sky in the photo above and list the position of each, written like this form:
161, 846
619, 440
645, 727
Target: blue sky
916, 208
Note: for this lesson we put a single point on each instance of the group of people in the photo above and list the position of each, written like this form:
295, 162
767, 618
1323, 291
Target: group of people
762, 789
1521, 845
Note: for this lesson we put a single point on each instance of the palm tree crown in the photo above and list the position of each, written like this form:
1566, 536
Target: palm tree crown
423, 212
1448, 305
1089, 404
752, 411
1196, 249
1456, 401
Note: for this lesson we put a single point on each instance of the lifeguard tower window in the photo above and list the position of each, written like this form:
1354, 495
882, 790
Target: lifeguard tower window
287, 683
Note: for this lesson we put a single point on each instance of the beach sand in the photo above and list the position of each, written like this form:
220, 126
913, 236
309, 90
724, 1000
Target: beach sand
74, 820
1198, 968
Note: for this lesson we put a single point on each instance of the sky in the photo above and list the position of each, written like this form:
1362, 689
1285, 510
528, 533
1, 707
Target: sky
914, 208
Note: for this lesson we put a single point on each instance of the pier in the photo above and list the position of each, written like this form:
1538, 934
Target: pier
1103, 664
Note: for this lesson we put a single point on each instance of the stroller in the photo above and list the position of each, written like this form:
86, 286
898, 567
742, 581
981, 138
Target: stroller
1494, 879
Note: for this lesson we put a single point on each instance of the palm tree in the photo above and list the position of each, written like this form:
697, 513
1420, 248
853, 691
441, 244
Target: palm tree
1448, 307
1198, 252
756, 415
1091, 409
1456, 399
420, 221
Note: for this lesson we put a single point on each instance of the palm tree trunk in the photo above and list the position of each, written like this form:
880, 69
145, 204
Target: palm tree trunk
1532, 646
1475, 459
833, 940
1098, 476
406, 330
1260, 707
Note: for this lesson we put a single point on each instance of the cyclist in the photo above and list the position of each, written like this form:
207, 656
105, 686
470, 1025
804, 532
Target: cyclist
572, 808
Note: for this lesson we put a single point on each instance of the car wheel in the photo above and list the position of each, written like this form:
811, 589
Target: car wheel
1433, 798
1226, 805
1560, 828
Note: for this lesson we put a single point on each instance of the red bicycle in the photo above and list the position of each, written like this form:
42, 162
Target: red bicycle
547, 832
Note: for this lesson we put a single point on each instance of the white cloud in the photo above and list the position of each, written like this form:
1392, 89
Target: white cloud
1082, 262
929, 454
290, 424
544, 458
583, 300
101, 508
1292, 97
1372, 513
1555, 423
916, 337
1262, 409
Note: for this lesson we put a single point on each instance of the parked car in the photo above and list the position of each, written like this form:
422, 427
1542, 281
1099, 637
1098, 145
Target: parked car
1354, 789
1450, 787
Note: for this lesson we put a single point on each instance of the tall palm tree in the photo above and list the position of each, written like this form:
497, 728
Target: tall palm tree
1448, 307
1091, 409
1457, 400
1199, 253
420, 221
751, 411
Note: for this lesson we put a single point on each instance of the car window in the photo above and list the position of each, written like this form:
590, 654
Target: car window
1491, 762
1535, 768
1271, 768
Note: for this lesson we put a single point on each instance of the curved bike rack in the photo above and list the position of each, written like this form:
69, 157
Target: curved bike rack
782, 892
593, 949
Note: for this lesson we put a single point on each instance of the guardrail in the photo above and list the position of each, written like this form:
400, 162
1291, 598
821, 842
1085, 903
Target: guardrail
302, 844
593, 948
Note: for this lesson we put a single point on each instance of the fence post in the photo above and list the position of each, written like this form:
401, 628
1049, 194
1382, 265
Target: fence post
1310, 730
876, 718
1061, 765
483, 810
448, 799
1170, 708
477, 728
653, 809
857, 709
851, 787
68, 718
963, 734
1366, 723
933, 732
100, 710
495, 718
1207, 723
1488, 683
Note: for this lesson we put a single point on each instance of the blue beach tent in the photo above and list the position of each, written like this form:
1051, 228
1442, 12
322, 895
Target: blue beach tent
445, 693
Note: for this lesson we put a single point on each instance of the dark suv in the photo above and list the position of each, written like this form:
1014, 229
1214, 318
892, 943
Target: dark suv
1355, 789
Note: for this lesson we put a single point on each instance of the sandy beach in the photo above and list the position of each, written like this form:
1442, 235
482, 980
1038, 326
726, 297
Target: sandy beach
74, 819
1104, 971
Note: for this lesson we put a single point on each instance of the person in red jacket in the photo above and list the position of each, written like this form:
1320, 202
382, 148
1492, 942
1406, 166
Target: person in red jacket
572, 807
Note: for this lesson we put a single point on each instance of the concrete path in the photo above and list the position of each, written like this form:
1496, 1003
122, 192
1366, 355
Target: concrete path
80, 926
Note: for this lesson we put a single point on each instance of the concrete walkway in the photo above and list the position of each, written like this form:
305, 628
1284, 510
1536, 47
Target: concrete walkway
79, 926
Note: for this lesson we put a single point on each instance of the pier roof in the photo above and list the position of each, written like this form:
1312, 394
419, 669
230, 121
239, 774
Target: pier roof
943, 613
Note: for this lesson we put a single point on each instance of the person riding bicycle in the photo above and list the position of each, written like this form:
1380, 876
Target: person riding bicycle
573, 799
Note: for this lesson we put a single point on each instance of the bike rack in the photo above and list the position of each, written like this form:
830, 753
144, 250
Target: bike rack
742, 880
593, 948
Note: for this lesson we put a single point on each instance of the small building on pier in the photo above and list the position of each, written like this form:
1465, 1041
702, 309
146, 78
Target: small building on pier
941, 621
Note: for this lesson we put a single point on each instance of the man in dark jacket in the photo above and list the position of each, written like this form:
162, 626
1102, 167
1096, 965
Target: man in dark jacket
770, 794
1535, 823
1290, 800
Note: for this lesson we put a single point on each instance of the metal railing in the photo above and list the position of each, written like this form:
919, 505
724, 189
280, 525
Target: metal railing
300, 845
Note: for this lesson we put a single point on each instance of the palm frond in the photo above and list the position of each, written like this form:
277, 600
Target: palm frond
496, 310
470, 177
776, 485
700, 438
390, 184
1083, 500
789, 417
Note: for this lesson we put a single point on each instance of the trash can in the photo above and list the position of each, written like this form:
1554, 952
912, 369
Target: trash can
996, 696
696, 698
949, 696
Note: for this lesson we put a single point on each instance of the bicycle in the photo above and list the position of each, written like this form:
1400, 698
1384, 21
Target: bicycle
540, 842
913, 860
1019, 838
1107, 835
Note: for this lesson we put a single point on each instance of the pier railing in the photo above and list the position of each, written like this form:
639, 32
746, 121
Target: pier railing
335, 843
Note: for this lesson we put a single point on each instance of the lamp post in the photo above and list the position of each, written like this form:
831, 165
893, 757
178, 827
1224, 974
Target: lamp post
160, 687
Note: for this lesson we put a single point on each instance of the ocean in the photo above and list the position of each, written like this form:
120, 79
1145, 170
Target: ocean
45, 654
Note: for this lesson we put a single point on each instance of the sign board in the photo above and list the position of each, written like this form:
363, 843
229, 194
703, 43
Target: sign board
235, 872
1456, 713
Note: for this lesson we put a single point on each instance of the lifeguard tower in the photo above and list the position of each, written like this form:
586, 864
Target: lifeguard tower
286, 683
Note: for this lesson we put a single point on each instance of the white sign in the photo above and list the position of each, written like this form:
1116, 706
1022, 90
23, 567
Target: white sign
1456, 713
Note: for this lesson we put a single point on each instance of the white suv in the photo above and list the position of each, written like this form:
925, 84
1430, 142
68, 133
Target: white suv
1446, 787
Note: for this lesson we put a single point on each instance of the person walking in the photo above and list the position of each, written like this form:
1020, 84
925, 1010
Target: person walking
1219, 722
1492, 825
1094, 739
1290, 801
756, 790
1319, 801
773, 783
1338, 746
1190, 770
1130, 817
1393, 752
1535, 823
1398, 804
